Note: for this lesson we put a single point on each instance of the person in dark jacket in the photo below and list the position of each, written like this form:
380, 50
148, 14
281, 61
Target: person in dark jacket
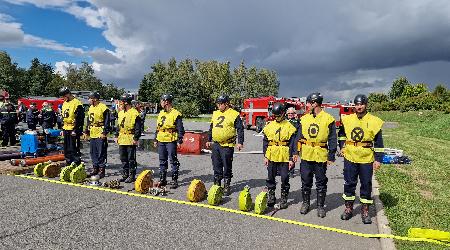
47, 116
32, 116
8, 121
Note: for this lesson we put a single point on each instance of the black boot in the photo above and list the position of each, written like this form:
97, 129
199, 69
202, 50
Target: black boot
132, 177
226, 187
218, 180
271, 198
174, 182
304, 209
321, 205
95, 171
162, 179
348, 212
365, 216
102, 173
283, 201
125, 174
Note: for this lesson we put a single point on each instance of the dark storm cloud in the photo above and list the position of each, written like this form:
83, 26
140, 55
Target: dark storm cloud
342, 47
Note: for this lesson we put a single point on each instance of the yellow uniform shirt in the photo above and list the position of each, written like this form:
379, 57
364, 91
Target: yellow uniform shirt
223, 130
68, 113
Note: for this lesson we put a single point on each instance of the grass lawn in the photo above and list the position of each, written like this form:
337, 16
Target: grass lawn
417, 195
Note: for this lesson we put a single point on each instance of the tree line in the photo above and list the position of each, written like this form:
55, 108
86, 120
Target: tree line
196, 84
407, 96
40, 79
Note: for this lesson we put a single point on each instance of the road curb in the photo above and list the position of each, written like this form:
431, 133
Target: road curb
382, 221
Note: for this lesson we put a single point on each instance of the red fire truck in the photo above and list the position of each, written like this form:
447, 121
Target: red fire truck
257, 111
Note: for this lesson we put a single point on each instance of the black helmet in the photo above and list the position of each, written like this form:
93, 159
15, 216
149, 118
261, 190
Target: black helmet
360, 99
94, 95
64, 91
167, 97
127, 98
278, 109
314, 97
223, 99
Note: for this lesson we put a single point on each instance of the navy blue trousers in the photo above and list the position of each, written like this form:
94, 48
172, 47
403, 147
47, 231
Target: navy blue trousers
222, 160
351, 173
283, 169
98, 148
309, 169
168, 151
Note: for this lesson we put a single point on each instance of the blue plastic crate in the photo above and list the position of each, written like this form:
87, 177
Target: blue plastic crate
29, 144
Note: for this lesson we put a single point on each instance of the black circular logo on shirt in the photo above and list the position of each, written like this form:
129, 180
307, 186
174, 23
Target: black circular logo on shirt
313, 130
357, 134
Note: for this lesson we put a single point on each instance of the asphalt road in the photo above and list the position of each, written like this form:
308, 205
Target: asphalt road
40, 215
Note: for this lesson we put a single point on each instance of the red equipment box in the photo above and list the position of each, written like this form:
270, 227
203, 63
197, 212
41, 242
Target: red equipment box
193, 142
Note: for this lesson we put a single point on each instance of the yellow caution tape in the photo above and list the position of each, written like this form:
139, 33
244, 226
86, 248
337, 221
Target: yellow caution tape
298, 223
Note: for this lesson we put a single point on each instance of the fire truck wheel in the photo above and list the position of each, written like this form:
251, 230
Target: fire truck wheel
259, 124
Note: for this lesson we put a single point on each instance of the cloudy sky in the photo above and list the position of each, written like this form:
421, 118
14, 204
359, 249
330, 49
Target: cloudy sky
339, 48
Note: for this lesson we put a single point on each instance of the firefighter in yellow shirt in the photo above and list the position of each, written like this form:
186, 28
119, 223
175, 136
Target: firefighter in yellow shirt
225, 126
98, 128
169, 136
279, 145
318, 144
73, 119
361, 142
128, 133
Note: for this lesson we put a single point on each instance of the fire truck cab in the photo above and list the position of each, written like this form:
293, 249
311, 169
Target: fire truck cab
257, 111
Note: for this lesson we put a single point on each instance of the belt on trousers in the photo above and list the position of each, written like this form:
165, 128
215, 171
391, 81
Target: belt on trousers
169, 130
364, 144
126, 132
278, 143
98, 125
314, 144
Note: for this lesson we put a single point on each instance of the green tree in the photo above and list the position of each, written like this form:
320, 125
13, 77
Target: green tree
83, 78
111, 91
12, 78
398, 86
39, 76
414, 90
378, 98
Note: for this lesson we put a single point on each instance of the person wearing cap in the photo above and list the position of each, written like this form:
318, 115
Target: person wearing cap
21, 111
361, 141
98, 128
2, 101
73, 120
226, 126
279, 147
317, 145
113, 118
8, 121
127, 134
47, 116
168, 137
59, 120
291, 116
32, 116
